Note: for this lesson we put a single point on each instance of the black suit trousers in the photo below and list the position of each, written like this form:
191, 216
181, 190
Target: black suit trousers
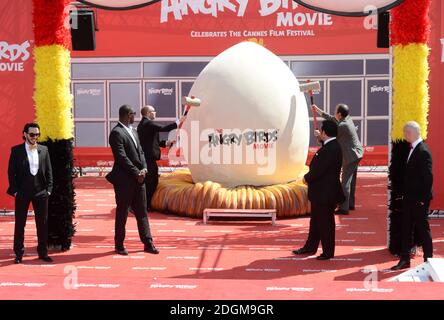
322, 229
151, 181
131, 195
40, 205
414, 218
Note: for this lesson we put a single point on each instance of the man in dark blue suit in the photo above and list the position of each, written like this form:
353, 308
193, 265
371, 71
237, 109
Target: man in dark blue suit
324, 192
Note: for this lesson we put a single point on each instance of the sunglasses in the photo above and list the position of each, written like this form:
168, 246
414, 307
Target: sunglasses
33, 135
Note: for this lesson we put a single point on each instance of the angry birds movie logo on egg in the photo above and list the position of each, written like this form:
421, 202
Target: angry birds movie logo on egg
260, 139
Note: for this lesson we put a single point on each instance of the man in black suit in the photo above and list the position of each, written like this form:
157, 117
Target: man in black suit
417, 194
127, 177
324, 192
30, 180
148, 131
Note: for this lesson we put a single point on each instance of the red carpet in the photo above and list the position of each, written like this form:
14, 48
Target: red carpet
222, 260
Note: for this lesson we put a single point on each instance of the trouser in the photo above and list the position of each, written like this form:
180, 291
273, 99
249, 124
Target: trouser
40, 204
322, 229
395, 247
134, 196
415, 218
151, 181
348, 181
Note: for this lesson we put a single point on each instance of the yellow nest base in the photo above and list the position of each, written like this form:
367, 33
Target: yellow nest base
178, 194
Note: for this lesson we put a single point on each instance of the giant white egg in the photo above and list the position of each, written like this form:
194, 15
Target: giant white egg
252, 126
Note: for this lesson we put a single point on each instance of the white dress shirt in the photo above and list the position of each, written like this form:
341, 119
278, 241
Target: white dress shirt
328, 140
414, 144
130, 131
33, 158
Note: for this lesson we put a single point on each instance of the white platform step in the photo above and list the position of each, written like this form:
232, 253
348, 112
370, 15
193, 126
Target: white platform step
430, 271
240, 213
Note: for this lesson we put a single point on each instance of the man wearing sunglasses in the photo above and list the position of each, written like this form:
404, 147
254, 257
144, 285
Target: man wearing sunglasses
30, 181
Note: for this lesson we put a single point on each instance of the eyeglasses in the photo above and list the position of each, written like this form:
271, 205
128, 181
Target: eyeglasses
33, 135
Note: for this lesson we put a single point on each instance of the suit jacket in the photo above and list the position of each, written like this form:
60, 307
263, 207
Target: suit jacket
348, 139
148, 131
324, 185
418, 175
19, 166
129, 160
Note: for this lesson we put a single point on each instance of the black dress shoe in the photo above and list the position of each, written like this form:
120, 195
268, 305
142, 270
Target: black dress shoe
341, 212
150, 248
46, 258
18, 260
323, 257
403, 264
304, 251
352, 208
122, 252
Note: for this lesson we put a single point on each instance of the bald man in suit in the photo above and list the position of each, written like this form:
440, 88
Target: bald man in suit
416, 197
148, 131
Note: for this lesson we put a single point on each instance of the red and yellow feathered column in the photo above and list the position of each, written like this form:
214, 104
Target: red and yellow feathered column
409, 34
53, 107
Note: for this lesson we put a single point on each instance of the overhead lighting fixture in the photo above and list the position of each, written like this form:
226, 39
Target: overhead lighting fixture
355, 8
119, 4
